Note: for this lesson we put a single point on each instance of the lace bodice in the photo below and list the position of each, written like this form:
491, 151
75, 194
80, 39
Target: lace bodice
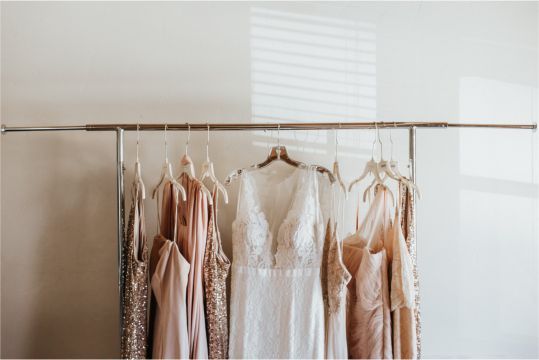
299, 238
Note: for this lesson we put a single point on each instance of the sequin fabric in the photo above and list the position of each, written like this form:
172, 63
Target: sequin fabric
216, 267
335, 276
135, 289
408, 222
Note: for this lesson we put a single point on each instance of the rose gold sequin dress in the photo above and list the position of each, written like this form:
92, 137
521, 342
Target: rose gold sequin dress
135, 273
216, 266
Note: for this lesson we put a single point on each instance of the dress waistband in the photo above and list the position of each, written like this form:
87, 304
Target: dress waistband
308, 271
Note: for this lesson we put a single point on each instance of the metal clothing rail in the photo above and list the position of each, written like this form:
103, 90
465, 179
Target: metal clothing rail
120, 128
263, 126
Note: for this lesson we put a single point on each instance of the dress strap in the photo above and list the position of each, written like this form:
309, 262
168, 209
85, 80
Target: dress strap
314, 179
158, 213
174, 203
240, 191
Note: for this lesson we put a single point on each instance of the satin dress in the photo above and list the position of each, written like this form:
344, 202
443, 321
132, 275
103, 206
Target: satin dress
169, 271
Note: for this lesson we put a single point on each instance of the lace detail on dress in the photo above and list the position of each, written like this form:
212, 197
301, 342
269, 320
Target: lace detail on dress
250, 230
299, 240
277, 307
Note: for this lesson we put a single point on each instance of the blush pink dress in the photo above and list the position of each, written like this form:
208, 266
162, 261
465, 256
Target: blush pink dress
368, 303
191, 239
169, 272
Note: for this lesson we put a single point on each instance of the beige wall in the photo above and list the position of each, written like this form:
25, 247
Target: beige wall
77, 63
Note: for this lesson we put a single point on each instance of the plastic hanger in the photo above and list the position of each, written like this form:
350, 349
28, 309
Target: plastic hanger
208, 171
377, 170
336, 171
384, 166
166, 174
278, 152
188, 167
392, 166
371, 167
138, 176
186, 162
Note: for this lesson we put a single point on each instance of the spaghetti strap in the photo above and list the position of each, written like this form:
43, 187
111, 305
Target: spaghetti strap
175, 204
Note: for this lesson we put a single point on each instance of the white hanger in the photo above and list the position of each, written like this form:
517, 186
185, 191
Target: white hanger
278, 152
384, 166
166, 174
370, 167
208, 171
393, 167
336, 170
186, 162
377, 169
187, 166
138, 176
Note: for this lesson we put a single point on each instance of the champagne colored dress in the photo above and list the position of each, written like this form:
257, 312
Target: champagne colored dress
368, 304
169, 272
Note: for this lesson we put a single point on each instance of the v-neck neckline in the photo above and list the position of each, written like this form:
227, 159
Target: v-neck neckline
259, 208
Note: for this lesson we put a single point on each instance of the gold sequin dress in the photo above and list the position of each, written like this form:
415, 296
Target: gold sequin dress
407, 218
402, 291
335, 278
216, 267
135, 290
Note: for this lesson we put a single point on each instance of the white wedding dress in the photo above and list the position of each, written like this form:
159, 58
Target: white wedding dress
277, 306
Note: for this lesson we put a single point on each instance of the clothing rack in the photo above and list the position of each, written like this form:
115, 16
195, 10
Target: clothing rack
120, 128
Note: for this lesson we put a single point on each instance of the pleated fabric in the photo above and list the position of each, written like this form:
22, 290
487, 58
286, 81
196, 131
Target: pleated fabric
368, 303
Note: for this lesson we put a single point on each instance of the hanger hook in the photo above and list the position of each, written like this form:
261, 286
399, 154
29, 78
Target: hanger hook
391, 138
279, 134
138, 139
278, 140
208, 143
188, 138
381, 144
337, 142
267, 140
374, 141
166, 144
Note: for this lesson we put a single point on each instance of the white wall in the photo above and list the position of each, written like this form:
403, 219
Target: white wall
71, 63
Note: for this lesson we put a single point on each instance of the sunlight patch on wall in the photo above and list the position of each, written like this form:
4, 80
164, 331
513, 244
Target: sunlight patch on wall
308, 68
490, 153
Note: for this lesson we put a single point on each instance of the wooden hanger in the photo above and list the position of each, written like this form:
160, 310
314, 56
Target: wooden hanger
278, 152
